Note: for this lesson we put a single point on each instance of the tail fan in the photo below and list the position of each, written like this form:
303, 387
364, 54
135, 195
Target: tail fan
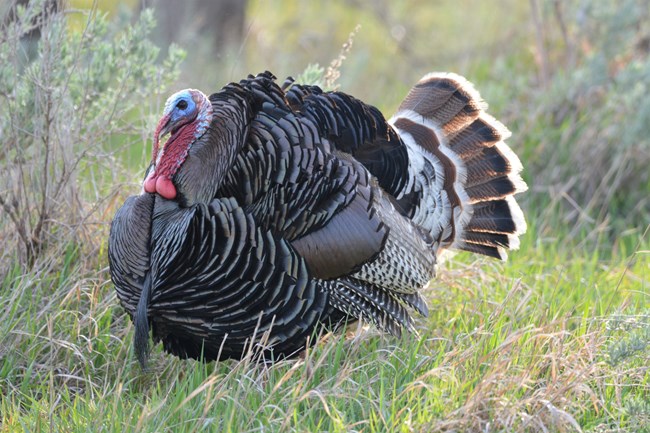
464, 174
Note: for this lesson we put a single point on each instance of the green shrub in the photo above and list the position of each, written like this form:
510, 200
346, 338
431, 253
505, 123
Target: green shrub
66, 99
584, 116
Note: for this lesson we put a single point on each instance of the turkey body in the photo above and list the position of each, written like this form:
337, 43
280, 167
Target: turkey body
272, 211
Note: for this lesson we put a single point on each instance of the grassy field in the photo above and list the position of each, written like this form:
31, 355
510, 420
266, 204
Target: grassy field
556, 339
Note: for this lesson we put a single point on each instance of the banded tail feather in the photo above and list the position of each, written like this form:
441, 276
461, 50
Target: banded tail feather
465, 173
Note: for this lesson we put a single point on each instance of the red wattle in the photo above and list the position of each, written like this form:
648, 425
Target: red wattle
165, 187
150, 182
160, 184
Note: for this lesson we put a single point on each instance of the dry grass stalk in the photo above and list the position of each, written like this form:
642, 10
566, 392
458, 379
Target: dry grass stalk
333, 72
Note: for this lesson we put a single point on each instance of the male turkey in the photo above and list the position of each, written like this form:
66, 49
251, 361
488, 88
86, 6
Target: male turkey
271, 211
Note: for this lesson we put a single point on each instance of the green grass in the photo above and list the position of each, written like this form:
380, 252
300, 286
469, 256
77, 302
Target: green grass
555, 338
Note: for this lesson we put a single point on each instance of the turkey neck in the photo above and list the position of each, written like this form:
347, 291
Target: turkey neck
212, 155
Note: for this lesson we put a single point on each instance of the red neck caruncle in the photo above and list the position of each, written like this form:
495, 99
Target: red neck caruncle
186, 127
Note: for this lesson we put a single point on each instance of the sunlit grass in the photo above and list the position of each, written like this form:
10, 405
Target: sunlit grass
555, 339
551, 339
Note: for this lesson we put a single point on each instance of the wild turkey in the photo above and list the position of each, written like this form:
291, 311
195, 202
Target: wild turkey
271, 211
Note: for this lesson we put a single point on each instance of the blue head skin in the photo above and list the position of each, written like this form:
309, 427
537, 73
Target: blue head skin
180, 109
186, 117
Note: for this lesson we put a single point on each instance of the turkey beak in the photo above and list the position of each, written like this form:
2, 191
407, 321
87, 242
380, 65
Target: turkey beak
164, 127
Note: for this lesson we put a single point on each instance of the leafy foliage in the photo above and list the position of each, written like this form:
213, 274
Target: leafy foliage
587, 139
62, 107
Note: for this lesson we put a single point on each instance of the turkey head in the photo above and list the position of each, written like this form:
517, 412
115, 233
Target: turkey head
186, 118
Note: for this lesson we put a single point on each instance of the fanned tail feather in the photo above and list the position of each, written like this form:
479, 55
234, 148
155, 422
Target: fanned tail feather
467, 203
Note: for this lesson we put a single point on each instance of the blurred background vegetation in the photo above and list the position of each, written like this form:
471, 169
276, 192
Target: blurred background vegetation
82, 85
569, 78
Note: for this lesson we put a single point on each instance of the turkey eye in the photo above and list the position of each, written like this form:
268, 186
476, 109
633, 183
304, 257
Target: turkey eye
182, 104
